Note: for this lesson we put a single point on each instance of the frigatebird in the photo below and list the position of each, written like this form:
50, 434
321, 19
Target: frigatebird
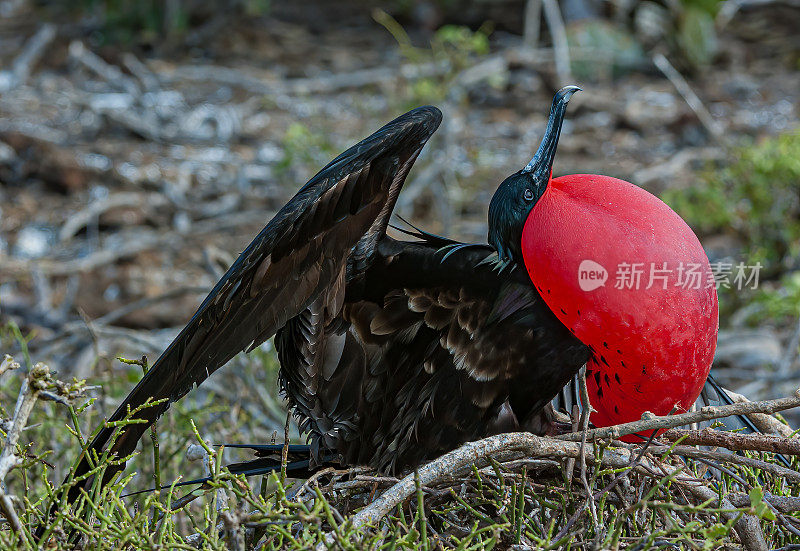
394, 351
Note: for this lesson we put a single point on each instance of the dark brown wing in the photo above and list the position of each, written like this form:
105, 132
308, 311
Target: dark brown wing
296, 262
426, 354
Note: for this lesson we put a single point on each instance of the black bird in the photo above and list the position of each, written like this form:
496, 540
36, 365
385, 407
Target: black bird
391, 352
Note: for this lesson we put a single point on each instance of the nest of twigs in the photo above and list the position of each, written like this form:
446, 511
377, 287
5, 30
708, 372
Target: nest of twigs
684, 488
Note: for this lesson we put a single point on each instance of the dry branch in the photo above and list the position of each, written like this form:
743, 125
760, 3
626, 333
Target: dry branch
727, 457
110, 73
763, 422
116, 200
478, 453
532, 23
135, 243
555, 23
735, 441
691, 98
31, 53
572, 445
28, 394
303, 86
784, 504
707, 413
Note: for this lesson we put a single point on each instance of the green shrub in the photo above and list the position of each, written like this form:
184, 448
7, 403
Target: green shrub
756, 196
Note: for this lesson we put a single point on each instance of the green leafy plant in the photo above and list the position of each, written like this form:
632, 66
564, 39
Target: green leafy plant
453, 49
697, 36
500, 504
124, 21
756, 196
756, 199
780, 301
301, 146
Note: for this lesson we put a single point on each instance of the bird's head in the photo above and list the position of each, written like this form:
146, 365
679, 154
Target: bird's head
516, 196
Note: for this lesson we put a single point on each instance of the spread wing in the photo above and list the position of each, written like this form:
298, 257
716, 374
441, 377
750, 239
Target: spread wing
427, 352
298, 260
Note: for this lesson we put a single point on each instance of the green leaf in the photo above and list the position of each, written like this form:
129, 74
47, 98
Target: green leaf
697, 37
760, 508
756, 496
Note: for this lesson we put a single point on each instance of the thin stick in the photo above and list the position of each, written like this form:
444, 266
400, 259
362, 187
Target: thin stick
784, 504
763, 422
31, 53
478, 453
689, 96
587, 406
735, 441
28, 394
532, 24
560, 46
154, 440
110, 73
688, 451
285, 448
706, 413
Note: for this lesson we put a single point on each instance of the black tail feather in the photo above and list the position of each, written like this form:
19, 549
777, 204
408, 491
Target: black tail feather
714, 395
298, 466
262, 449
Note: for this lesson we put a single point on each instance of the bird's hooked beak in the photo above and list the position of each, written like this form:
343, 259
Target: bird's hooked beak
516, 195
542, 163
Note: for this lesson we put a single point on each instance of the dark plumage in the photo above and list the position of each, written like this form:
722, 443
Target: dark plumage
423, 356
390, 353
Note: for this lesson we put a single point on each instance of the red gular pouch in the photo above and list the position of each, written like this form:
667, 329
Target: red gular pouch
630, 279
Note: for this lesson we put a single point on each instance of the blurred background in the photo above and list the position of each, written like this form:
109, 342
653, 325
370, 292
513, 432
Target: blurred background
144, 144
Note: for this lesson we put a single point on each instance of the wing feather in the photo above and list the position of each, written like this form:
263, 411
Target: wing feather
292, 262
430, 368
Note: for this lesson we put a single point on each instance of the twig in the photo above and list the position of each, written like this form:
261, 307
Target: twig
106, 71
116, 200
576, 426
28, 394
688, 451
153, 438
565, 446
555, 23
735, 441
31, 53
285, 448
475, 453
7, 364
689, 96
587, 407
148, 79
747, 526
591, 497
765, 423
706, 413
532, 23
134, 243
478, 453
784, 504
317, 85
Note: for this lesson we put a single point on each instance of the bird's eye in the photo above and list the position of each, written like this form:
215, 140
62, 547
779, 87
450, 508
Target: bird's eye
528, 194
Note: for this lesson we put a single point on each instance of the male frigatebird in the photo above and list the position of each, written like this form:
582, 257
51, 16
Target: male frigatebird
392, 351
